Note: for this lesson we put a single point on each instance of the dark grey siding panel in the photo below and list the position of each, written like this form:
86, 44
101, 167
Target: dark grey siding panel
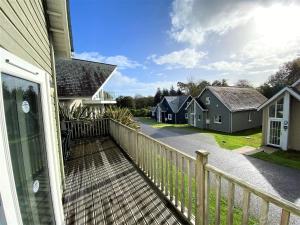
195, 112
240, 120
216, 107
180, 116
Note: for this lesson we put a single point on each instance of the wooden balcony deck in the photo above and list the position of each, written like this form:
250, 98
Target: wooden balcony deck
104, 187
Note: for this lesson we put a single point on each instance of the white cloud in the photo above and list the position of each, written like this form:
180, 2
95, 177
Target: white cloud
186, 58
224, 66
121, 61
122, 84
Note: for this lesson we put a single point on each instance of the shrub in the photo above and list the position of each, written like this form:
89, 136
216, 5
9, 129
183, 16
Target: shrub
140, 112
122, 115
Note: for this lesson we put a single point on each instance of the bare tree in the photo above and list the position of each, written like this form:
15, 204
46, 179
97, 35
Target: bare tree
243, 83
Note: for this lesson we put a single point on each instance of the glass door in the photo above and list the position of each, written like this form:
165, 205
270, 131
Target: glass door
275, 132
25, 131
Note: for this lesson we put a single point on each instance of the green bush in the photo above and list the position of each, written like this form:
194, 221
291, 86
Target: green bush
140, 112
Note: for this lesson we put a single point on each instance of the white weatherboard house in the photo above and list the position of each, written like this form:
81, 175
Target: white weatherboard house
281, 119
33, 34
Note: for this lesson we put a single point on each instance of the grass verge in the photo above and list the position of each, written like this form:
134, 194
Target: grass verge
284, 158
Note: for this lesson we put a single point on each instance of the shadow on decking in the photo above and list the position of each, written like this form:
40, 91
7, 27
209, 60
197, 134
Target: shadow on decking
104, 187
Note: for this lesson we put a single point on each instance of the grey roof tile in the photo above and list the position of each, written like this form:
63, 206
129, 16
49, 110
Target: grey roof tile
80, 78
238, 99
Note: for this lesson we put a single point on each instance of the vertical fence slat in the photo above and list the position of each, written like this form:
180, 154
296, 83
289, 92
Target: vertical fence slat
246, 201
230, 203
206, 199
182, 185
171, 175
189, 168
176, 179
264, 211
167, 172
218, 200
285, 217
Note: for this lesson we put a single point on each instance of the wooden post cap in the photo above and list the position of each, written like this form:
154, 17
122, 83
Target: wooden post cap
202, 152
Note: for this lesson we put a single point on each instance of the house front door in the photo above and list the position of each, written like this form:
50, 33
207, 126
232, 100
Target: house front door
274, 135
192, 119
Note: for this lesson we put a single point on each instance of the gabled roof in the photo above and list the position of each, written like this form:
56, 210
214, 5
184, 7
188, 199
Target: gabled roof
293, 91
237, 98
80, 78
153, 108
198, 102
176, 102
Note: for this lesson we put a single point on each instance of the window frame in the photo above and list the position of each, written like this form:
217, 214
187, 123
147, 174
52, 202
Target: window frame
186, 115
275, 104
170, 116
219, 120
250, 117
207, 100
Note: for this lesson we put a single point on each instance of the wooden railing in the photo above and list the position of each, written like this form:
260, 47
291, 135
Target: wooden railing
85, 129
186, 181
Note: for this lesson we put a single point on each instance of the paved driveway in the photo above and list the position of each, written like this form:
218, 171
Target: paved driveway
278, 180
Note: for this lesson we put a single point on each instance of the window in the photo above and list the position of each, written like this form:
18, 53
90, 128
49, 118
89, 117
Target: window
249, 117
207, 100
187, 103
199, 117
276, 109
169, 116
186, 116
218, 119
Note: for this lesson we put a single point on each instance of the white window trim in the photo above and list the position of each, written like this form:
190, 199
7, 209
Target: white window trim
217, 116
169, 116
250, 117
207, 100
186, 115
15, 66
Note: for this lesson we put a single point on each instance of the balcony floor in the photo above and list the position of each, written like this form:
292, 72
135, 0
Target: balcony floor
104, 187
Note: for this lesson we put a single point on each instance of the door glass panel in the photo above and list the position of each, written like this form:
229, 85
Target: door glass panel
279, 109
24, 122
275, 132
272, 111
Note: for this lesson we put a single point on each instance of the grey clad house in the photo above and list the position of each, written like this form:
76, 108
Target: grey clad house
226, 109
82, 82
172, 109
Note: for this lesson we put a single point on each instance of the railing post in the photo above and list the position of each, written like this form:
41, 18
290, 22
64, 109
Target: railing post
201, 161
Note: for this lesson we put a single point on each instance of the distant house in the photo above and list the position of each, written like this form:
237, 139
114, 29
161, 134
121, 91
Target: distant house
82, 82
226, 109
172, 109
281, 114
153, 112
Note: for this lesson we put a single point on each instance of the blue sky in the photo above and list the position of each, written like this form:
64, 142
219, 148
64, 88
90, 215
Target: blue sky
157, 43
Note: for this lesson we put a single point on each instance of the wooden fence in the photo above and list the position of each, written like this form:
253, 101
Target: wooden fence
179, 176
85, 129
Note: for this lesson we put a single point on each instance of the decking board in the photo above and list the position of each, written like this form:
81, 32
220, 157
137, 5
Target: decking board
104, 187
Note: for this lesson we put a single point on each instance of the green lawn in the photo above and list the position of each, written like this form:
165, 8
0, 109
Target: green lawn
284, 158
228, 141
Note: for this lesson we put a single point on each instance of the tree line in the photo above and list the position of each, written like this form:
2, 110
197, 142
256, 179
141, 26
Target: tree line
287, 74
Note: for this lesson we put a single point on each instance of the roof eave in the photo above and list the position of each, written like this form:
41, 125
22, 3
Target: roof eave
59, 26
